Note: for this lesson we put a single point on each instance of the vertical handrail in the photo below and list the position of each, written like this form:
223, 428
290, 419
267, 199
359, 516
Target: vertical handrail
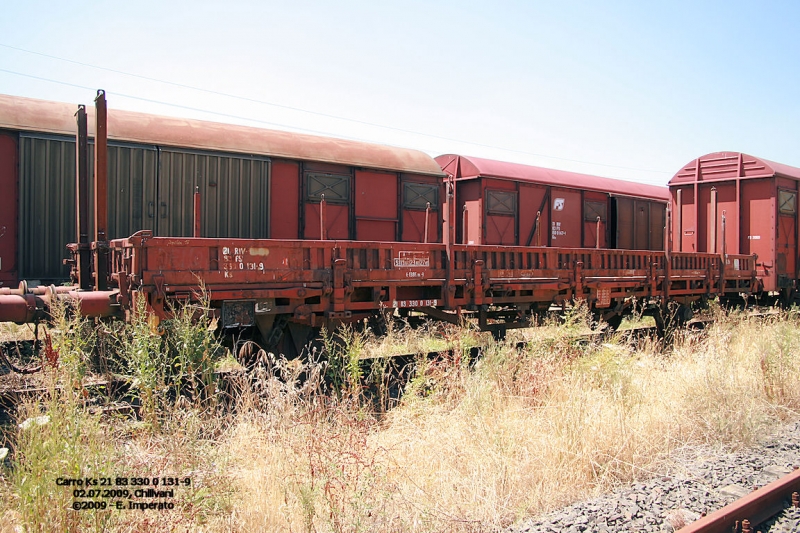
597, 242
100, 246
83, 258
196, 225
427, 215
464, 225
322, 217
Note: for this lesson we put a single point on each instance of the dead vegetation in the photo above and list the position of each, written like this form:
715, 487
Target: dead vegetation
300, 446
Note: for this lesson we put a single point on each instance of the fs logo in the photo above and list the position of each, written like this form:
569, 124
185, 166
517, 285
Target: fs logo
558, 204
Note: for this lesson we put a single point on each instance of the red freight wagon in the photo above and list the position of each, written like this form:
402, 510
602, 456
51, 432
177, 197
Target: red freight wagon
502, 203
254, 183
734, 203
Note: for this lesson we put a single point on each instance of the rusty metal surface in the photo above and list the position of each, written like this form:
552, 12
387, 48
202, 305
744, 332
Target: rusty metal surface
28, 114
463, 167
325, 279
756, 507
82, 260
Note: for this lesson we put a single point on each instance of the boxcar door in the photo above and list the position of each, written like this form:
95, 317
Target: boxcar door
8, 211
376, 206
595, 206
335, 189
641, 225
758, 230
533, 201
787, 237
416, 199
234, 194
658, 221
566, 218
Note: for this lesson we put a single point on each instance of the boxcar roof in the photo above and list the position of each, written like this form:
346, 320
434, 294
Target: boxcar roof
26, 114
464, 168
720, 166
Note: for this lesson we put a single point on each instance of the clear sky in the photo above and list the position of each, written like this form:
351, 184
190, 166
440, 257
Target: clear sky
627, 89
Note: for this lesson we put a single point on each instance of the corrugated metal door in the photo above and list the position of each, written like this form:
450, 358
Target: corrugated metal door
47, 199
416, 198
566, 215
8, 211
376, 206
47, 206
234, 194
132, 173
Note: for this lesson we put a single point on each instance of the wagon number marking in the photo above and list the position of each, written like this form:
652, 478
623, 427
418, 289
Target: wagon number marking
234, 260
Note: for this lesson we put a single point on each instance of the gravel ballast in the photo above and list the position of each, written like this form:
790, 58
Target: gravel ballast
700, 483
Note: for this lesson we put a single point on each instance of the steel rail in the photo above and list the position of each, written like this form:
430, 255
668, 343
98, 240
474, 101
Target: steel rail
755, 508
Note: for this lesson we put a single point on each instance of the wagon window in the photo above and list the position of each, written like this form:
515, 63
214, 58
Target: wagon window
592, 210
501, 203
418, 195
336, 188
787, 202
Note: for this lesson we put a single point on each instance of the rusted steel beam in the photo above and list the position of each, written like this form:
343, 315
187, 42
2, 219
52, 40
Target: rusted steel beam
81, 248
100, 244
756, 507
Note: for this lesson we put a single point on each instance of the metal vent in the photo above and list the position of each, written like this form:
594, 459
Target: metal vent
787, 202
592, 210
336, 188
419, 195
501, 203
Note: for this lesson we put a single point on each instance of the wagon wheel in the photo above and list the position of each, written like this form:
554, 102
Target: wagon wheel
671, 318
614, 322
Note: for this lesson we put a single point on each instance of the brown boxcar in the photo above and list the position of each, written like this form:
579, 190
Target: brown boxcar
734, 203
254, 183
511, 204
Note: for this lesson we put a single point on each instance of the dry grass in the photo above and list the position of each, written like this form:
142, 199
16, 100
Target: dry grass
468, 449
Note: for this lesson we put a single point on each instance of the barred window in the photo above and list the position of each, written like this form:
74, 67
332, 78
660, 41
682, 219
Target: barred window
418, 195
501, 203
592, 210
336, 188
787, 202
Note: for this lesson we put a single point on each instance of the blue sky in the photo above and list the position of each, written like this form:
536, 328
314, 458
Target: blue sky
626, 89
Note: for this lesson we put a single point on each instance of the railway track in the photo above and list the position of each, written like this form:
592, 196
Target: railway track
776, 504
705, 489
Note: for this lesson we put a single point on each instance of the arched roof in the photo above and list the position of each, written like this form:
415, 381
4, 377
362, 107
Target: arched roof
463, 167
26, 114
728, 165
